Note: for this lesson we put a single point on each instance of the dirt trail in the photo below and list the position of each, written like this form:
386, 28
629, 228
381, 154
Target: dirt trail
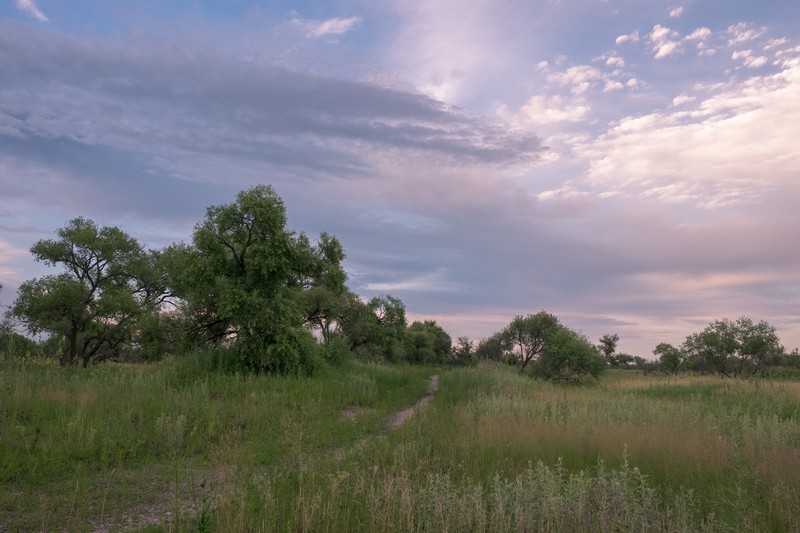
402, 416
397, 420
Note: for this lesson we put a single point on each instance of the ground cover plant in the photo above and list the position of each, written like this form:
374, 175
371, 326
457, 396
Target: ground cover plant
177, 446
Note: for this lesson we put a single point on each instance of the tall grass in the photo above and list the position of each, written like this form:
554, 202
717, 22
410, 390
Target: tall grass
494, 451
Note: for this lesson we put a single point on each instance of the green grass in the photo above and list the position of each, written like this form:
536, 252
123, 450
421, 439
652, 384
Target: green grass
176, 447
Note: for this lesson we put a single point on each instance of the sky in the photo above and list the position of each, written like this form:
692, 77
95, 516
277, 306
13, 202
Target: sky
629, 166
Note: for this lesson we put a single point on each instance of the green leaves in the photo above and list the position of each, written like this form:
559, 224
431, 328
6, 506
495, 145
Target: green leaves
107, 283
735, 348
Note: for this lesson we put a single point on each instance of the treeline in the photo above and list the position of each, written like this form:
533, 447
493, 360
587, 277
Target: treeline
268, 298
732, 348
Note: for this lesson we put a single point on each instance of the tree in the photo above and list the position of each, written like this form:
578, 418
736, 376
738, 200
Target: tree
569, 356
493, 348
322, 276
608, 345
242, 281
427, 342
528, 335
464, 352
735, 348
670, 358
95, 303
375, 329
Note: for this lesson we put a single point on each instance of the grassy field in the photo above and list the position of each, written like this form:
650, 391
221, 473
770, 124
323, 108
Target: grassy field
173, 447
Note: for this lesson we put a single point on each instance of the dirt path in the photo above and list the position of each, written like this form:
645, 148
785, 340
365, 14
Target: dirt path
396, 421
402, 416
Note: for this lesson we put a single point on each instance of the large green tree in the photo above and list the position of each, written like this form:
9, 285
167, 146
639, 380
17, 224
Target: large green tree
243, 281
528, 335
375, 329
670, 358
569, 356
428, 342
96, 302
737, 348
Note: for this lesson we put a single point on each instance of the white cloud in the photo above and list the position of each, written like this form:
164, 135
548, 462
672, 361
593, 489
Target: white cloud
676, 12
664, 41
613, 85
743, 32
437, 281
700, 34
540, 110
775, 43
682, 99
579, 77
334, 26
615, 61
30, 7
566, 192
750, 61
720, 154
631, 37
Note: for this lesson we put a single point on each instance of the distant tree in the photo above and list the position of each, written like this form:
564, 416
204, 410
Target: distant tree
643, 365
464, 352
95, 304
569, 356
625, 360
670, 358
607, 346
528, 335
492, 348
735, 348
427, 342
375, 329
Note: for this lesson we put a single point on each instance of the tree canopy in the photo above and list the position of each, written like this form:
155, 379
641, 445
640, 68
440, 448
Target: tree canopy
95, 302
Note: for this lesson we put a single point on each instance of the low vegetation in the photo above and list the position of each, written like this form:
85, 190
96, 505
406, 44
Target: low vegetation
244, 387
181, 445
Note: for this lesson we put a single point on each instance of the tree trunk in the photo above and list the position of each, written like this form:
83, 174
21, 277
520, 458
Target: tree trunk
69, 358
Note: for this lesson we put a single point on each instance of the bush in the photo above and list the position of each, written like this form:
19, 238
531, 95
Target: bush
569, 356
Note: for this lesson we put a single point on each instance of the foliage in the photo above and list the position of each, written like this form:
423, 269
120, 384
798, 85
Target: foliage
13, 345
527, 336
96, 302
670, 358
427, 342
738, 348
464, 352
492, 348
243, 281
607, 346
569, 356
376, 329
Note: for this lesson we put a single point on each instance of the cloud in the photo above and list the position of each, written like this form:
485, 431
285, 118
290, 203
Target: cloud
750, 61
196, 113
744, 32
29, 7
540, 110
676, 12
700, 34
580, 77
631, 37
717, 155
664, 41
683, 99
334, 26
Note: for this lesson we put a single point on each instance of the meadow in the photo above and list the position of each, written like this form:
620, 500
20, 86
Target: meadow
183, 446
